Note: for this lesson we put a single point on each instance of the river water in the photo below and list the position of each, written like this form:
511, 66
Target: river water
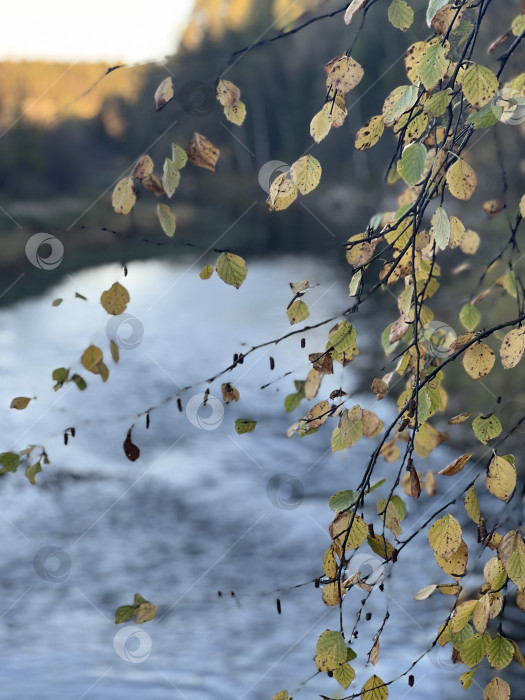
202, 510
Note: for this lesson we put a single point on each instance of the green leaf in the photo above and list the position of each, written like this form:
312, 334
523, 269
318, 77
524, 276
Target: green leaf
344, 675
518, 25
342, 500
243, 425
500, 652
432, 66
400, 15
341, 340
138, 599
283, 695
297, 312
166, 218
232, 269
9, 462
32, 471
178, 156
330, 651
487, 116
399, 101
436, 105
441, 228
479, 85
473, 649
124, 613
170, 177
60, 374
56, 302
79, 381
466, 679
469, 317
412, 163
486, 428
292, 401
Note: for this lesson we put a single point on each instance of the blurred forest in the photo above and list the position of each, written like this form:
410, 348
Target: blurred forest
69, 132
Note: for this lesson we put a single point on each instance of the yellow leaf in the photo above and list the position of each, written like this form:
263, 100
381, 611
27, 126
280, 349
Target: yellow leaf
462, 615
236, 114
143, 168
374, 689
306, 174
232, 269
427, 439
115, 299
124, 196
206, 272
320, 126
344, 73
228, 93
354, 6
460, 418
330, 651
329, 562
478, 360
456, 466
115, 353
512, 348
20, 402
445, 536
163, 93
339, 528
501, 478
380, 388
472, 505
456, 566
479, 85
153, 184
202, 153
333, 593
461, 180
170, 177
480, 614
522, 206
145, 613
283, 192
369, 134
92, 358
297, 312
430, 484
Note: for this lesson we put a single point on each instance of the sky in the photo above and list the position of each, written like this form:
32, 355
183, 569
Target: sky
97, 30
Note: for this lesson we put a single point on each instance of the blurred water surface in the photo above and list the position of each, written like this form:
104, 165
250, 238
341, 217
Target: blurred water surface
202, 510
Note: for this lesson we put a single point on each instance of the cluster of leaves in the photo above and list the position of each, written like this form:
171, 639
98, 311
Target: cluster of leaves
432, 117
